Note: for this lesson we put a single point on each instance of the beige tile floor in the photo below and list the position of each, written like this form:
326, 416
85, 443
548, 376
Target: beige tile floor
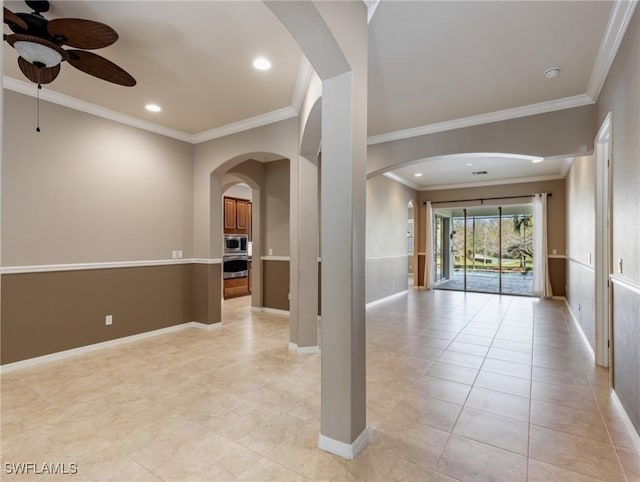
460, 387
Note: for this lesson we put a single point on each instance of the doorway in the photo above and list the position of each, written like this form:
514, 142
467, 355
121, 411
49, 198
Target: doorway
411, 243
604, 261
485, 249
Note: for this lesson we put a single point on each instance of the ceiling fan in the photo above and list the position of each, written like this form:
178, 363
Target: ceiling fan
39, 43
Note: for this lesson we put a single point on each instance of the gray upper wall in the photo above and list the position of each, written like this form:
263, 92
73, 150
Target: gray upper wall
387, 216
580, 186
621, 96
276, 208
87, 189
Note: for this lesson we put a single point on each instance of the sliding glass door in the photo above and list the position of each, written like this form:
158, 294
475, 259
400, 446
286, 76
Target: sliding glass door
492, 249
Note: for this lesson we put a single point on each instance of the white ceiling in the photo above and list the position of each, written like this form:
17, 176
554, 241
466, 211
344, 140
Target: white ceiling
191, 58
455, 171
432, 62
429, 62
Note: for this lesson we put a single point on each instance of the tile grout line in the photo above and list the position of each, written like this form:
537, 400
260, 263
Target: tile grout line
533, 338
444, 448
606, 427
474, 380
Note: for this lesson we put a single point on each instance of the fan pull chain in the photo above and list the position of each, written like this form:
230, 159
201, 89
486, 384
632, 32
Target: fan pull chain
38, 109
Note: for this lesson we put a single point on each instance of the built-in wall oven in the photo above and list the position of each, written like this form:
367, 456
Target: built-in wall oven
235, 266
235, 261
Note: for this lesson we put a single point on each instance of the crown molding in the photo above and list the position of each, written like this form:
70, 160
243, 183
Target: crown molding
27, 88
619, 19
401, 180
245, 125
302, 83
618, 22
497, 182
475, 120
371, 8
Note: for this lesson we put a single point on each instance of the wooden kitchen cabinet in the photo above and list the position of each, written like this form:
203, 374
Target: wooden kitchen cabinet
229, 215
242, 216
237, 216
235, 287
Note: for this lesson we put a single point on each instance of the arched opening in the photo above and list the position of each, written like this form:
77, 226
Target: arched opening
478, 224
250, 232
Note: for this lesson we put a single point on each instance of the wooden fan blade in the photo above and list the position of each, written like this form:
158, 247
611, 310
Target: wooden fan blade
99, 67
38, 75
12, 18
82, 34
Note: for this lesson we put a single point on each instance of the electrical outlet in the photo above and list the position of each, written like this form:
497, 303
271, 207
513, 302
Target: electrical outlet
270, 252
174, 254
179, 254
554, 251
108, 320
619, 265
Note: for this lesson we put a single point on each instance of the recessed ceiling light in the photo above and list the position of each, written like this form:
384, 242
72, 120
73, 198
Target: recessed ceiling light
261, 63
537, 160
469, 164
418, 174
552, 73
153, 107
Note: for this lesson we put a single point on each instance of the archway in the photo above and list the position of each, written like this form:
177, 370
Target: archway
250, 169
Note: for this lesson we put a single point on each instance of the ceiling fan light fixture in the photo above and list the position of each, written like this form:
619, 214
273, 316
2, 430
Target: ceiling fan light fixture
153, 107
418, 174
37, 54
261, 63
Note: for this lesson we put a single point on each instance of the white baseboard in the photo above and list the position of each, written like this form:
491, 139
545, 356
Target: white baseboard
205, 326
584, 337
303, 350
273, 311
62, 355
347, 451
387, 298
308, 350
635, 437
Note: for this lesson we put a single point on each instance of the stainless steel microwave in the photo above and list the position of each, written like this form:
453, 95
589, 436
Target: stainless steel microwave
235, 244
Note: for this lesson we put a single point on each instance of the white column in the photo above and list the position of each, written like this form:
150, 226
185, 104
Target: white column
333, 36
303, 324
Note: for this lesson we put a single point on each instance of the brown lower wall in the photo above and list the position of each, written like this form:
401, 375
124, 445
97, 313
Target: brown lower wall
275, 284
558, 276
44, 313
207, 293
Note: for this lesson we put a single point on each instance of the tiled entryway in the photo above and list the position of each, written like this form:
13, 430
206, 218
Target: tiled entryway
461, 386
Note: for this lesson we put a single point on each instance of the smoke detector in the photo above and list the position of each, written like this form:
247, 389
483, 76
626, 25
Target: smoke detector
552, 73
479, 173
